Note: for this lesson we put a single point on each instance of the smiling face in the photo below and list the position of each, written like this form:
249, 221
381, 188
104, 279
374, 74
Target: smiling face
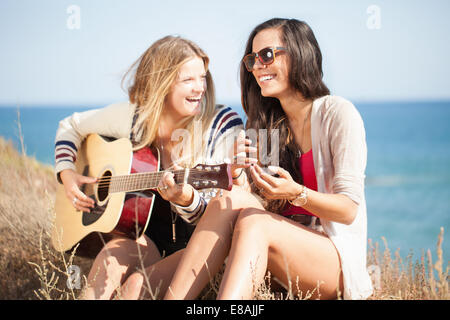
273, 79
186, 93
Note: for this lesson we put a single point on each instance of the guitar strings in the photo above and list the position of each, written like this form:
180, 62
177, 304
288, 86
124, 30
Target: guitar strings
136, 182
158, 173
127, 187
146, 175
142, 181
143, 177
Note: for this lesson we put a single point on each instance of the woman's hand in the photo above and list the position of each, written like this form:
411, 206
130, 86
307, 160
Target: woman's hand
242, 148
271, 187
72, 182
182, 195
333, 207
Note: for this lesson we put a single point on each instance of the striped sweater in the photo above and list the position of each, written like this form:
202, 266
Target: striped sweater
116, 121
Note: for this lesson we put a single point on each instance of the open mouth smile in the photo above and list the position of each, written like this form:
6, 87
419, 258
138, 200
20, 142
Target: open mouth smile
266, 77
194, 100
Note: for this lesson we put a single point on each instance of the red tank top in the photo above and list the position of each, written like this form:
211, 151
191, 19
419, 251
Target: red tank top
306, 165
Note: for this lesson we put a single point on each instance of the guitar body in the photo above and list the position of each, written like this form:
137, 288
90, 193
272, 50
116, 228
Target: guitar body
116, 213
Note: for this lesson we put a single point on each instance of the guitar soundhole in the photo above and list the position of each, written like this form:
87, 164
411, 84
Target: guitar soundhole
103, 187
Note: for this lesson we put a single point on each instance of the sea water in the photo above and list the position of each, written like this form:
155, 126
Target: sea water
407, 176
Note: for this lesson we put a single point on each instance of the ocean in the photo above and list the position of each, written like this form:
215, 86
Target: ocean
407, 176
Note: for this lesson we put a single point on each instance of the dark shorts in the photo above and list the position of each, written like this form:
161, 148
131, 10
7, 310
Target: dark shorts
303, 219
159, 228
311, 222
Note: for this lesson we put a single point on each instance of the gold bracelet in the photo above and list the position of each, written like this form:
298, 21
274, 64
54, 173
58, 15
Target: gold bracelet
301, 199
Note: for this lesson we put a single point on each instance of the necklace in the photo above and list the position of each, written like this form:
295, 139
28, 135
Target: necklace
173, 215
300, 151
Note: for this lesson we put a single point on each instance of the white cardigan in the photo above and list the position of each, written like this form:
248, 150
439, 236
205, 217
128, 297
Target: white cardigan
340, 156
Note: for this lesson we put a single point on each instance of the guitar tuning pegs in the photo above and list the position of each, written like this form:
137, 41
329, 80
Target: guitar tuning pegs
217, 169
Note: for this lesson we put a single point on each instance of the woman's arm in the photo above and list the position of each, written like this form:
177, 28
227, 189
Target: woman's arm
333, 207
112, 121
109, 121
348, 153
347, 143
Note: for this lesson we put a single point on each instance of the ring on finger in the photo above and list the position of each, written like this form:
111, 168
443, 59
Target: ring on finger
75, 200
162, 188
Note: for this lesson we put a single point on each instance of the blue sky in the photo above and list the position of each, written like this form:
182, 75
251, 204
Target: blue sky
44, 62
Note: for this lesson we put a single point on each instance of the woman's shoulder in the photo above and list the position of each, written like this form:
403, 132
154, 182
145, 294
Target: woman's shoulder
330, 102
223, 110
123, 107
225, 118
335, 106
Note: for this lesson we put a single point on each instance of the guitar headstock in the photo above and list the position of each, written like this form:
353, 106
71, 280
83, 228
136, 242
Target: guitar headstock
204, 176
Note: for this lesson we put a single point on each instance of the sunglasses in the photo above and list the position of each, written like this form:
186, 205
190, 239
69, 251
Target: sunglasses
266, 56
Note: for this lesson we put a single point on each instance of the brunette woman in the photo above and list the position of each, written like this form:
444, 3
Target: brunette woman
310, 229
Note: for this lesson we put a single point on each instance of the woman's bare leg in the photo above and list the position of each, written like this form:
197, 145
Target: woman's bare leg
209, 244
266, 241
118, 259
154, 284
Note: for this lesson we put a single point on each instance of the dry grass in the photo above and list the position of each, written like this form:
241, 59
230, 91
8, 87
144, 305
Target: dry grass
31, 269
27, 191
407, 280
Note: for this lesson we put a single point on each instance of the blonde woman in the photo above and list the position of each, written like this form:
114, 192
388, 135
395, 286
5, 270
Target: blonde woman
171, 89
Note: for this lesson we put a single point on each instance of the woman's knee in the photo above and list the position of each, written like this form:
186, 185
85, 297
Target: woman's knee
118, 251
234, 199
251, 220
223, 202
118, 242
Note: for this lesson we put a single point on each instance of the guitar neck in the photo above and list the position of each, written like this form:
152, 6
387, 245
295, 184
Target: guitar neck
200, 177
140, 181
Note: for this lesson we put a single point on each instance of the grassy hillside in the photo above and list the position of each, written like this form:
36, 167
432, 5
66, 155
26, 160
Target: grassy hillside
27, 191
31, 269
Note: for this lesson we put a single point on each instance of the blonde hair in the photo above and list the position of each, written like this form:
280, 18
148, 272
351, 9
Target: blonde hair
155, 71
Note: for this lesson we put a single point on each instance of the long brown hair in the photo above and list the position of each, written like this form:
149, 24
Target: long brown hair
305, 77
152, 76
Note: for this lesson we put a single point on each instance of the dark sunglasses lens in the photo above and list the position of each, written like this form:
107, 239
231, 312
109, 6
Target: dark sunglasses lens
249, 61
266, 55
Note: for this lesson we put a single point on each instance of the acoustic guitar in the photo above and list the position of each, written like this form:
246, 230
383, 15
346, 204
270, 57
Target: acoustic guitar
123, 193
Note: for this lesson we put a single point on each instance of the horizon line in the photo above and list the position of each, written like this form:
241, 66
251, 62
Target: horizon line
227, 103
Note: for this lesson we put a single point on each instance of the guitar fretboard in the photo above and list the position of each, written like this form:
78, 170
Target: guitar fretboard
138, 181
